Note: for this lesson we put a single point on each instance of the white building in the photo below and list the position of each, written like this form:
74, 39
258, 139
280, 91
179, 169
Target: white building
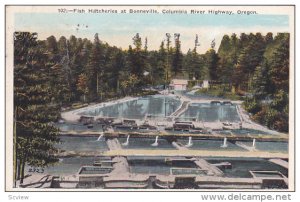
205, 84
178, 84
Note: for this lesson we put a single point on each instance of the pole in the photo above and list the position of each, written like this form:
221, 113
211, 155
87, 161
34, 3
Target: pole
165, 106
97, 85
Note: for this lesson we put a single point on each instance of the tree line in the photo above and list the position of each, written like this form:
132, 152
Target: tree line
93, 70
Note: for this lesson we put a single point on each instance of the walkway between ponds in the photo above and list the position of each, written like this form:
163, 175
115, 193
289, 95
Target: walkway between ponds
212, 170
180, 110
242, 145
120, 166
280, 162
113, 144
179, 146
197, 153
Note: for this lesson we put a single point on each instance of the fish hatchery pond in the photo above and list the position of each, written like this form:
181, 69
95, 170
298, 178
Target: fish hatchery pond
137, 108
90, 140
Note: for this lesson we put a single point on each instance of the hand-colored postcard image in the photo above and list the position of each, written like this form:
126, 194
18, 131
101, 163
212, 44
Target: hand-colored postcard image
160, 98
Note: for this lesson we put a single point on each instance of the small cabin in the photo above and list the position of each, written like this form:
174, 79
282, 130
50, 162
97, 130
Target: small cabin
179, 84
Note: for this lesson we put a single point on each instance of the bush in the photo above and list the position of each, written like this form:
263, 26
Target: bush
260, 116
272, 118
218, 92
202, 91
252, 106
282, 123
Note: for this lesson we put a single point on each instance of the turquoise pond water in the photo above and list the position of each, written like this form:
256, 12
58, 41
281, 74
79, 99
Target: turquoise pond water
214, 145
86, 143
241, 167
146, 143
161, 106
63, 127
210, 113
81, 144
244, 131
270, 146
156, 105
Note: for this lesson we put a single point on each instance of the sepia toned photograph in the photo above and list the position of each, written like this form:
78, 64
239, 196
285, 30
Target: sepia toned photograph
149, 98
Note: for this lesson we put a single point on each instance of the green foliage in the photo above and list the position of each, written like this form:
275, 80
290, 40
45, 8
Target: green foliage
128, 85
95, 69
211, 61
221, 91
272, 118
82, 85
193, 63
259, 65
177, 58
49, 74
250, 63
34, 110
279, 63
252, 106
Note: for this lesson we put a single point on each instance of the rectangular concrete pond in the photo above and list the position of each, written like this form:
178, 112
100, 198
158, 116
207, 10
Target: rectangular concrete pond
157, 105
211, 145
145, 143
81, 143
207, 112
241, 167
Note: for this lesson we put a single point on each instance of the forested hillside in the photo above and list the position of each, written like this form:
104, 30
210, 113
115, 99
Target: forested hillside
251, 66
258, 66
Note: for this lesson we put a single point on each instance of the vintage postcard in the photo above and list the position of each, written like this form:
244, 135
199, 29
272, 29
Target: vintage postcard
160, 98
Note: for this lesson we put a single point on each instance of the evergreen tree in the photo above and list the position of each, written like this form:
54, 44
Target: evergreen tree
260, 81
197, 65
177, 57
118, 66
168, 72
269, 38
279, 75
51, 44
82, 85
188, 64
94, 69
136, 61
60, 72
250, 57
61, 45
271, 82
139, 57
279, 63
225, 66
34, 136
211, 63
162, 64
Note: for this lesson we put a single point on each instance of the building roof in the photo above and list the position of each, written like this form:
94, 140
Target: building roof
179, 81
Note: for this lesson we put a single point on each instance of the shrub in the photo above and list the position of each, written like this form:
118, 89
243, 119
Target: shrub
252, 106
